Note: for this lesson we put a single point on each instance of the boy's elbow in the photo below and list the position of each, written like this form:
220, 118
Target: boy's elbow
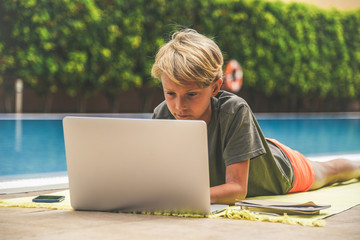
229, 193
240, 194
237, 194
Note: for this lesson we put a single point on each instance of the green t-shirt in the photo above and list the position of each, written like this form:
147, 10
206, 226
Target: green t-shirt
234, 135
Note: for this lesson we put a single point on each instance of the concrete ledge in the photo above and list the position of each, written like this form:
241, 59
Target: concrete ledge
35, 183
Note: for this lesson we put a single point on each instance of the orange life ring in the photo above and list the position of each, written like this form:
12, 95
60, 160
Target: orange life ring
233, 76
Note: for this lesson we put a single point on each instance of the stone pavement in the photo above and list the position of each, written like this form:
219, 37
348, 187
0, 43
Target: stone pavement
30, 223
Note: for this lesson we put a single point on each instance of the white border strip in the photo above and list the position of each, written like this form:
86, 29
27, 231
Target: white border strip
323, 158
33, 184
62, 182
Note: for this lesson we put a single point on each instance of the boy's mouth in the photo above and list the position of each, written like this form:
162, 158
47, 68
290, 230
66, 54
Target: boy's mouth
182, 116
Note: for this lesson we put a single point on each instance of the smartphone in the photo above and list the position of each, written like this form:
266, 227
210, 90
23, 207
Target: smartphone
48, 198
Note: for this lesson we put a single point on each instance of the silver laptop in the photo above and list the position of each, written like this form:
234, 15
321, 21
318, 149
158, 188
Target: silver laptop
137, 164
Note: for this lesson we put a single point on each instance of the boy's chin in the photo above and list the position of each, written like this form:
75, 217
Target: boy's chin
184, 118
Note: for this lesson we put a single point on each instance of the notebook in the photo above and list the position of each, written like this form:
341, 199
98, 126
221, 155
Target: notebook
137, 164
279, 207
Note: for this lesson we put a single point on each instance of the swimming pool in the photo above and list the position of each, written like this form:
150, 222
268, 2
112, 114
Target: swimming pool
32, 145
314, 135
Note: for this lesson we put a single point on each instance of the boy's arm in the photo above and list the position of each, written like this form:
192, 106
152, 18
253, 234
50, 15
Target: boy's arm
235, 187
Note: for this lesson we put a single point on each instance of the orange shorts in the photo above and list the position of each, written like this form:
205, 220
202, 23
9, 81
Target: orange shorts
303, 172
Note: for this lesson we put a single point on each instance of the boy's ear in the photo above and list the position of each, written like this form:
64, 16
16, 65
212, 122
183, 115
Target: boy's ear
216, 86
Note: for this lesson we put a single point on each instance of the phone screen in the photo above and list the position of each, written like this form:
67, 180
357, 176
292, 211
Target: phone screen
48, 198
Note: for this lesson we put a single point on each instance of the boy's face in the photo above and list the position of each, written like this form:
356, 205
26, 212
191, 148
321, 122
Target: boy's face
189, 102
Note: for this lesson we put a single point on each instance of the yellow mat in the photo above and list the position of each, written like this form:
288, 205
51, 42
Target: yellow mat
340, 196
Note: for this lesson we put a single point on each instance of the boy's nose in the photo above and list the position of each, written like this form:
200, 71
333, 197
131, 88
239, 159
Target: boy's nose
180, 103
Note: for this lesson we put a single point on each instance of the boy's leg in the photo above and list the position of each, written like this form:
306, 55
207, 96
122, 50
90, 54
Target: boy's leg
337, 170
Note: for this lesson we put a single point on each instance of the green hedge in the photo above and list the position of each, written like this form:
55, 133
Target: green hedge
293, 48
86, 46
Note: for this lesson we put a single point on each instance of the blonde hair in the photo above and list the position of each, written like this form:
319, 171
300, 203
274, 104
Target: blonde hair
189, 57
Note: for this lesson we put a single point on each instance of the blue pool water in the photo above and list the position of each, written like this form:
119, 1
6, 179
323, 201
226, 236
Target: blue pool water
37, 146
31, 146
315, 136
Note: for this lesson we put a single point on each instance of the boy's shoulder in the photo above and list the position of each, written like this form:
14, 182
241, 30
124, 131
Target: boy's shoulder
162, 112
228, 102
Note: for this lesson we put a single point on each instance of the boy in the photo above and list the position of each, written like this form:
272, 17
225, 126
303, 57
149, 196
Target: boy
242, 161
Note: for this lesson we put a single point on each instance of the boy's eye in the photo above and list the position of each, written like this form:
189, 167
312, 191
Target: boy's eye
192, 94
170, 93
